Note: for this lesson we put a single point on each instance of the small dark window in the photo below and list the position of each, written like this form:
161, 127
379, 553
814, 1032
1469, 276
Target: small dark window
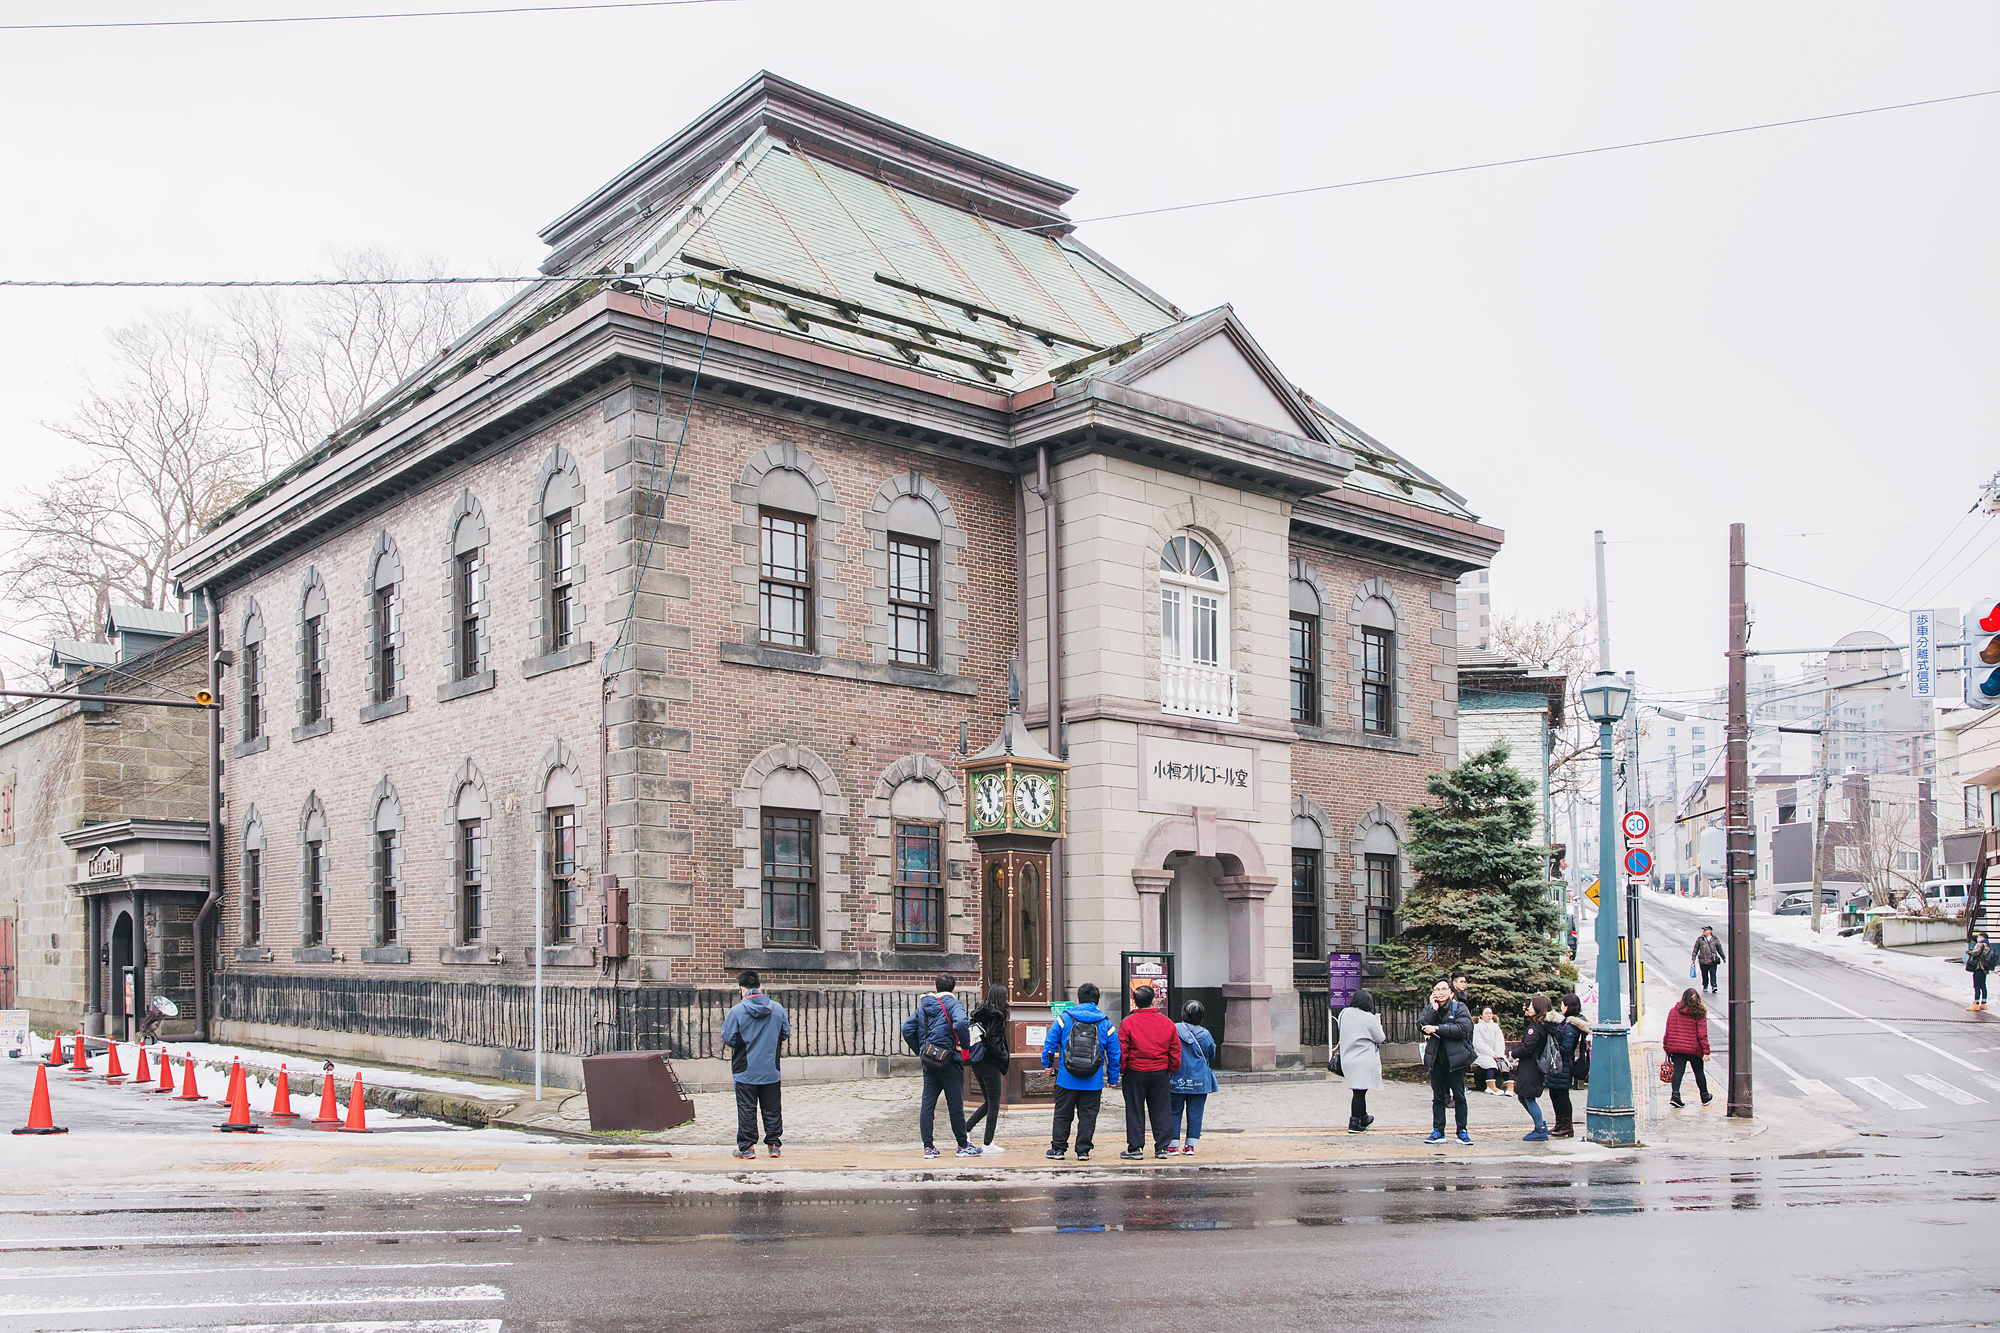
1305, 904
562, 875
315, 665
315, 894
468, 595
562, 574
253, 691
1378, 690
386, 627
919, 886
385, 885
1383, 895
471, 881
912, 602
1305, 669
784, 582
791, 877
253, 896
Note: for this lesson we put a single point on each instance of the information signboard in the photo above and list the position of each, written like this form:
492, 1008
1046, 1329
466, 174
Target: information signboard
1343, 978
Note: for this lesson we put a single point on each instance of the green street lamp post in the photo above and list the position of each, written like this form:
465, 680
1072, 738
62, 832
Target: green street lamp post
1609, 1117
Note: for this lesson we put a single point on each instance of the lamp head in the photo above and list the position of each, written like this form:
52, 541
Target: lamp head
1606, 698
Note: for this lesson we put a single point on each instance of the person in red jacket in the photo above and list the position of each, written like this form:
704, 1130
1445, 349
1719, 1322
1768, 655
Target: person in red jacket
1149, 1051
1686, 1043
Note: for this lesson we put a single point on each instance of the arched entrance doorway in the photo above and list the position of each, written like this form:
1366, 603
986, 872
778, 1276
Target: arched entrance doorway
121, 960
1202, 885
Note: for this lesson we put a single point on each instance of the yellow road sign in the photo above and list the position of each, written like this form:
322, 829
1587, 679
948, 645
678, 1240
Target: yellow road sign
1591, 893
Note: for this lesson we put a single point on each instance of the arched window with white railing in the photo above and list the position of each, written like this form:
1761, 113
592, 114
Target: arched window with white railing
1195, 678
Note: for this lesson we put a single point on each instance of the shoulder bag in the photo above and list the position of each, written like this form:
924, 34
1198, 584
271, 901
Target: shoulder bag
938, 1056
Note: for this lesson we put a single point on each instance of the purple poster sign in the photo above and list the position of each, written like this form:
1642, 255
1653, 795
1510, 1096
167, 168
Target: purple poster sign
1343, 978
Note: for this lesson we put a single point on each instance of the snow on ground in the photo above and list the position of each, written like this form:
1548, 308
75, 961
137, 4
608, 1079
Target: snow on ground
1944, 977
265, 1064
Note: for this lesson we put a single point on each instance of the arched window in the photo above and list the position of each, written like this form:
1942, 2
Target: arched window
788, 817
315, 869
251, 670
917, 832
1378, 667
313, 716
1305, 653
1308, 847
1194, 631
251, 882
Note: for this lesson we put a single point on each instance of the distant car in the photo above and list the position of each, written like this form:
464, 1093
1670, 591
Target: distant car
1797, 904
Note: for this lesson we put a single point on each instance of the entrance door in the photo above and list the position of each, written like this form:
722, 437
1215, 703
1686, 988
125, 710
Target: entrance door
1196, 930
121, 959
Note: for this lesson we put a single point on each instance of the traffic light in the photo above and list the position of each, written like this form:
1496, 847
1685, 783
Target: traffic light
1982, 654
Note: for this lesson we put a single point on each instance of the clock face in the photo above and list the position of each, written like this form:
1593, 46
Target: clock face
989, 801
1035, 799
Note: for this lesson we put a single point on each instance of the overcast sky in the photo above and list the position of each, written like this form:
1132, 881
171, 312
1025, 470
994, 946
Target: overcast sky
1794, 328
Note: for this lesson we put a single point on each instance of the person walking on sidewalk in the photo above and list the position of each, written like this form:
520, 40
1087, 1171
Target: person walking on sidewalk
1188, 1089
1708, 956
1530, 1079
1081, 1047
1360, 1036
1979, 960
1686, 1043
1569, 1037
989, 1061
1489, 1054
1447, 1027
751, 1033
938, 1033
1149, 1047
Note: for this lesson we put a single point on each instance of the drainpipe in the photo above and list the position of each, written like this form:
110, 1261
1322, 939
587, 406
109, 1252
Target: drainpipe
209, 904
1052, 606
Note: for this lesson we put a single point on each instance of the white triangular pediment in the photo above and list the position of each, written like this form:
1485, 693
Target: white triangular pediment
1214, 374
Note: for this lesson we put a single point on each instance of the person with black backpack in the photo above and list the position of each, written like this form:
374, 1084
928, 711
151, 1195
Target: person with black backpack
989, 1061
938, 1033
1082, 1047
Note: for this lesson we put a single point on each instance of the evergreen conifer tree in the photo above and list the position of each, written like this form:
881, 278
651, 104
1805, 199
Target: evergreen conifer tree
1482, 896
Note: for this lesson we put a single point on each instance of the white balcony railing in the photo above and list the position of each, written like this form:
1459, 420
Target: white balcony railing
1194, 691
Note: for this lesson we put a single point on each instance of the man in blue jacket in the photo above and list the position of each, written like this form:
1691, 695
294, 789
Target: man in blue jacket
750, 1035
1079, 1080
940, 1023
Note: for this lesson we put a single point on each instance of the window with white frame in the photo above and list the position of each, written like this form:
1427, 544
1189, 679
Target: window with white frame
1194, 601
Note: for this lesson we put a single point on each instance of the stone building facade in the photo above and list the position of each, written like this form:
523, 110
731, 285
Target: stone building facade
700, 568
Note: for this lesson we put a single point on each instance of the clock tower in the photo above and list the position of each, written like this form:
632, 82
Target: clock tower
1017, 796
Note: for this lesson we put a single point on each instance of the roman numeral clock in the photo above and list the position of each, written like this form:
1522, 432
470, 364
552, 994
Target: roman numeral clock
1015, 810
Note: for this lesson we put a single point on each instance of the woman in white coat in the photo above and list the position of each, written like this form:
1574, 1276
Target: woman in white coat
1489, 1054
1361, 1039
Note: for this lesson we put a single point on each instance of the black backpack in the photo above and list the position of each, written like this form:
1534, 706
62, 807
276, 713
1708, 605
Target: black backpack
1082, 1049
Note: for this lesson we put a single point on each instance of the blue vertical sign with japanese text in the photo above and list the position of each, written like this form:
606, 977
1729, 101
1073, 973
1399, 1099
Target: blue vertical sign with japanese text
1923, 654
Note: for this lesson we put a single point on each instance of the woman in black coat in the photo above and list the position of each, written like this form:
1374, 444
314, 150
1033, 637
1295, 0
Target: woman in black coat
1528, 1080
991, 1065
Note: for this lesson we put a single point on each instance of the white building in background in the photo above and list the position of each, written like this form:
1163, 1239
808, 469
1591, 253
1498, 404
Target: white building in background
1475, 609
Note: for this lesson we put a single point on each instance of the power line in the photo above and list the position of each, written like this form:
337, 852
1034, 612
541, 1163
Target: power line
356, 18
1777, 536
327, 282
1823, 588
1917, 573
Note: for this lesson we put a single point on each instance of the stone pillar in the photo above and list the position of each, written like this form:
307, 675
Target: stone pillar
1246, 1032
1152, 886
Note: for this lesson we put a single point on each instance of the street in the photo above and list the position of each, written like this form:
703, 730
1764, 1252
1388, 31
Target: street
1885, 1231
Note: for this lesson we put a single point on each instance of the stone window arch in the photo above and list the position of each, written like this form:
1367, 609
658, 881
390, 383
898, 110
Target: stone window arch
561, 803
794, 812
1218, 692
1377, 611
1381, 877
1313, 692
387, 907
315, 883
251, 903
916, 568
782, 484
559, 614
468, 617
253, 683
1312, 833
917, 791
382, 596
467, 819
315, 711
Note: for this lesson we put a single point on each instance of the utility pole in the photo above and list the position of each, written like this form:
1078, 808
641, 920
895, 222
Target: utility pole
1825, 784
1736, 820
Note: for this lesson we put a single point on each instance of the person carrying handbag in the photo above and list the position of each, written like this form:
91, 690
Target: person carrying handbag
938, 1034
1191, 1082
1538, 1054
1571, 1036
1686, 1043
1358, 1052
989, 1062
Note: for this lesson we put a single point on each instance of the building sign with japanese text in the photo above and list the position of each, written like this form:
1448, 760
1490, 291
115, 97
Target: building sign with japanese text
1174, 772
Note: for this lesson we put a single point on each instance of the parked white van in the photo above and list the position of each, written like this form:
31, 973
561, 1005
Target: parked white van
1948, 894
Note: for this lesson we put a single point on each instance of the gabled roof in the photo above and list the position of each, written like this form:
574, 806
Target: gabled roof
79, 652
144, 620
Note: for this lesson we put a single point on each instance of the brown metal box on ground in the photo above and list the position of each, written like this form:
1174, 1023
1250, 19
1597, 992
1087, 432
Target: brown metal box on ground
634, 1090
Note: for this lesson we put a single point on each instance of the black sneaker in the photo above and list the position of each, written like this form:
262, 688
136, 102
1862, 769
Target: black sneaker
1082, 1156
1132, 1155
742, 1156
1056, 1155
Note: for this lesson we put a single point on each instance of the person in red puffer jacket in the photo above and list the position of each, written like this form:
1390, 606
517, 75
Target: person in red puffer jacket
1149, 1051
1686, 1043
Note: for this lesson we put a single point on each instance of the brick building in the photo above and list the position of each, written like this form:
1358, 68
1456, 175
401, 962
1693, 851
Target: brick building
700, 567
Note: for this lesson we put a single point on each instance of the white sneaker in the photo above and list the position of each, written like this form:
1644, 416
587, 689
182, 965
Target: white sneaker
991, 1149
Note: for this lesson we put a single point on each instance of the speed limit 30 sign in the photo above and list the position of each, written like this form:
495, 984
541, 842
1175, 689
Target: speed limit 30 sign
1636, 824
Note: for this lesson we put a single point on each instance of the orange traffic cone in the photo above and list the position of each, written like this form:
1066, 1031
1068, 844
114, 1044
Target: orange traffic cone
281, 1101
56, 1056
357, 1109
189, 1093
142, 1075
329, 1109
112, 1072
80, 1065
39, 1119
239, 1104
166, 1071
